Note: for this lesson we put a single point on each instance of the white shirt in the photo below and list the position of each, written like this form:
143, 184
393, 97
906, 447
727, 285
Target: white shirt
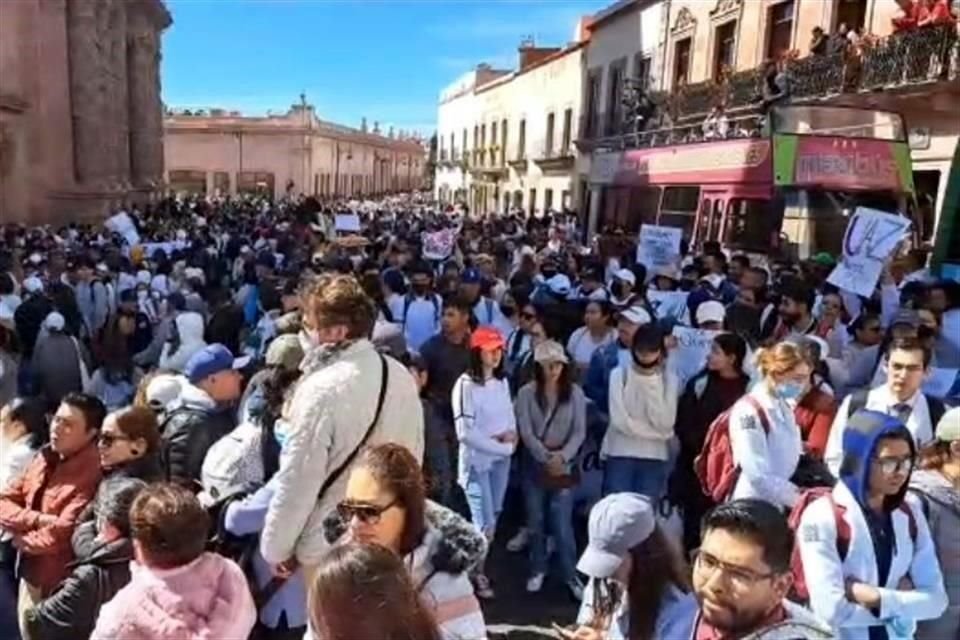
880, 399
422, 320
582, 345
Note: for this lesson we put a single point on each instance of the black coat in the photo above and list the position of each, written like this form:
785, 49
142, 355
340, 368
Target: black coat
71, 611
188, 432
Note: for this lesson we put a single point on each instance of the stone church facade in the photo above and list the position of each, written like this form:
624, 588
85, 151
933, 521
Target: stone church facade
81, 119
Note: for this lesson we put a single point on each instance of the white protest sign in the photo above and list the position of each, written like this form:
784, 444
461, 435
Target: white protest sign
690, 354
871, 237
940, 382
349, 222
122, 224
670, 304
659, 247
439, 244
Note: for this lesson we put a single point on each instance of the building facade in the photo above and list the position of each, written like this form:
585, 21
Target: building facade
505, 138
221, 153
80, 111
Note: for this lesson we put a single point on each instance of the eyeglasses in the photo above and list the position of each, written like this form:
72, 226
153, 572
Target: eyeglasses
890, 466
363, 511
107, 440
740, 578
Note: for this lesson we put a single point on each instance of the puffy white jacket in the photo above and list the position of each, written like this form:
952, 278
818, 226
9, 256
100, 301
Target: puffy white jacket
331, 410
190, 328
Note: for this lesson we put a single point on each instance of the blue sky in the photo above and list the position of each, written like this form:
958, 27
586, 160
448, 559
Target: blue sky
383, 59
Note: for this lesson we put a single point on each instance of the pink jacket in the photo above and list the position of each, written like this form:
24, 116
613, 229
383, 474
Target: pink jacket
207, 599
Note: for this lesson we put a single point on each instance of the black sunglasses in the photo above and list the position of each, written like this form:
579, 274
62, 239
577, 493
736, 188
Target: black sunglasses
107, 439
363, 511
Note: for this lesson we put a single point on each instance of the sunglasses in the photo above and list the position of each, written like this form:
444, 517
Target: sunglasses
365, 512
107, 440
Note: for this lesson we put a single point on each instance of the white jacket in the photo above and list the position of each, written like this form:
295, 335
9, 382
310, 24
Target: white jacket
331, 410
189, 326
767, 461
825, 574
643, 410
481, 412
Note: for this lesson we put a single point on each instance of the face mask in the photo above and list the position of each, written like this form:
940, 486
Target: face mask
790, 390
646, 367
508, 310
307, 339
548, 273
617, 289
687, 285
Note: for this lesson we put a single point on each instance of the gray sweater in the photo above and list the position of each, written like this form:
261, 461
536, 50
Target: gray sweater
567, 429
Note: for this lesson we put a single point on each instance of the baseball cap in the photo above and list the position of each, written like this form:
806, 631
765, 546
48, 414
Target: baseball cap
625, 275
470, 276
284, 352
550, 351
711, 311
617, 524
636, 315
559, 284
54, 321
948, 429
162, 391
33, 284
907, 317
486, 339
211, 360
665, 271
824, 259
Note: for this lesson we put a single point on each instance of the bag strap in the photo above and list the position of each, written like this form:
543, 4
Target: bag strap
761, 412
858, 401
936, 409
333, 477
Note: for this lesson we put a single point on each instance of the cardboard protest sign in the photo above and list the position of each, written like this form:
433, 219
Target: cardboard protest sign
690, 354
438, 245
871, 237
670, 304
659, 247
349, 222
123, 225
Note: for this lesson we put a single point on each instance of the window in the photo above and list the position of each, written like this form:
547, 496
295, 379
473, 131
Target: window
221, 182
464, 140
476, 137
188, 181
681, 62
258, 182
641, 69
547, 199
532, 203
567, 125
779, 29
453, 147
725, 39
678, 208
749, 224
852, 13
615, 97
503, 142
548, 145
592, 106
522, 141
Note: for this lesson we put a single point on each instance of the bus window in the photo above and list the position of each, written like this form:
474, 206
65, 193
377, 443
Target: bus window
749, 224
643, 208
700, 228
679, 208
715, 217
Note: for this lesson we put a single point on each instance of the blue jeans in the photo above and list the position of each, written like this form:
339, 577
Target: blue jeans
558, 506
635, 475
485, 491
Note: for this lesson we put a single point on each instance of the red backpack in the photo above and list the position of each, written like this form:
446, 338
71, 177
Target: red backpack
714, 466
799, 592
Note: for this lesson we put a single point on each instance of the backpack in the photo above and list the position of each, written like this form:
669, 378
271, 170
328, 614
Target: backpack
408, 300
935, 406
715, 467
799, 591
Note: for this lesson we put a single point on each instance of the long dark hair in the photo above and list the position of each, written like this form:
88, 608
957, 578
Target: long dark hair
475, 368
395, 468
364, 592
275, 386
564, 384
33, 414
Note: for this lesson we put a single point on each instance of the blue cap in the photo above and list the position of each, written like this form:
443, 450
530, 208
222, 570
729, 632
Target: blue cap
470, 275
211, 360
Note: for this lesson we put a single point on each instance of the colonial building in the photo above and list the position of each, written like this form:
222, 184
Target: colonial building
220, 153
80, 110
505, 138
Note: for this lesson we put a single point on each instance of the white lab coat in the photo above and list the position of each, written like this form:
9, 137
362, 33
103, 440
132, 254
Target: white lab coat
878, 399
767, 461
825, 574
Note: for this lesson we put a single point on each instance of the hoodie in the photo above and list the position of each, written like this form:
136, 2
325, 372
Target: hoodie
451, 547
882, 550
189, 339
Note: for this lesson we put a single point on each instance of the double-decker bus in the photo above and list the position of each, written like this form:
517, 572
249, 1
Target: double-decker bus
774, 183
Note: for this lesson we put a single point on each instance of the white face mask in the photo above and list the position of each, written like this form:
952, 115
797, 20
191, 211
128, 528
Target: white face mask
308, 339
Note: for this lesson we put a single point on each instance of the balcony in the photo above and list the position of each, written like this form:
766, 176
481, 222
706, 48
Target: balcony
899, 63
554, 157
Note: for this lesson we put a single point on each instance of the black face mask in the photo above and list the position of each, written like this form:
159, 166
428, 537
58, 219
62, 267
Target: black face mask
548, 273
647, 366
420, 289
687, 285
508, 310
617, 289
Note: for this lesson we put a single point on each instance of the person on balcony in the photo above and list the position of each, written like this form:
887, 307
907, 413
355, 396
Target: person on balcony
818, 42
716, 125
934, 13
910, 14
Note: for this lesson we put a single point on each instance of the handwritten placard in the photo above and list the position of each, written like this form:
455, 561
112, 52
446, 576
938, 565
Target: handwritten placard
659, 247
690, 354
871, 237
439, 244
670, 304
349, 222
123, 225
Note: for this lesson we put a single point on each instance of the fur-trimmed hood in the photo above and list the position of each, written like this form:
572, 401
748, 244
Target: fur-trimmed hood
450, 544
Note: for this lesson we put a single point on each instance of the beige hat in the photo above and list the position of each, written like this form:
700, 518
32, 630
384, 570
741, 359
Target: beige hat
948, 429
285, 352
550, 351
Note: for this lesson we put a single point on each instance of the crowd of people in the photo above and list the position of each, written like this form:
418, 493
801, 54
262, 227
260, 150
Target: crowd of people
234, 420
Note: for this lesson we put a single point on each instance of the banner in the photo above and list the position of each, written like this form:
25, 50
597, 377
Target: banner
659, 247
349, 222
690, 354
670, 304
871, 237
123, 225
439, 244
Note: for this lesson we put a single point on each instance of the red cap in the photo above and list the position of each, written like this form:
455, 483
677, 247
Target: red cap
486, 339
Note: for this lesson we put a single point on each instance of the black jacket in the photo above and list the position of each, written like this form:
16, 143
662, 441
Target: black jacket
28, 318
187, 433
71, 611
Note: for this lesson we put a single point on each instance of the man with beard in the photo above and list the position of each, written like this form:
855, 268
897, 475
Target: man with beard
796, 310
741, 576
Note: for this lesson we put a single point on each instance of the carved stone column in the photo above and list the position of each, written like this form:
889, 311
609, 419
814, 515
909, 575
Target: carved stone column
117, 128
86, 89
146, 19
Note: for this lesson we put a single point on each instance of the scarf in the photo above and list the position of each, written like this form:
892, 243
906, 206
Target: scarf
322, 356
